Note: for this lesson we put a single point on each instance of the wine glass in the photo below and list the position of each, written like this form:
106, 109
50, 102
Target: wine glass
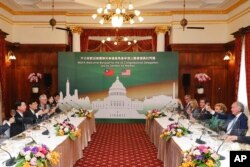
13, 112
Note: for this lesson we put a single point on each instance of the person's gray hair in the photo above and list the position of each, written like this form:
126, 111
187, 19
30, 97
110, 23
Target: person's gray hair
43, 96
240, 105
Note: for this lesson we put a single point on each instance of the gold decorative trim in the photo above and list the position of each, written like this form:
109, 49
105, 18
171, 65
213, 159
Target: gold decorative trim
4, 18
76, 29
161, 29
148, 13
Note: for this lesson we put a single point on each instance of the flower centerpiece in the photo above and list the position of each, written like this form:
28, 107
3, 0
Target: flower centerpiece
202, 156
37, 155
155, 113
201, 78
174, 129
83, 113
34, 79
66, 128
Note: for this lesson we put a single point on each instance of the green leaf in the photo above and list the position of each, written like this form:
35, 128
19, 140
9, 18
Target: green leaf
20, 162
71, 136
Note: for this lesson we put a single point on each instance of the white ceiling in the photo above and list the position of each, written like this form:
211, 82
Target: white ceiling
92, 5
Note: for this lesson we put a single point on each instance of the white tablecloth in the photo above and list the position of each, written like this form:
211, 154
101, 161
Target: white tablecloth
170, 152
70, 151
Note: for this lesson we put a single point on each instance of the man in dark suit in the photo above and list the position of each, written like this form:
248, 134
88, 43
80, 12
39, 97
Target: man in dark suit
202, 113
32, 114
56, 101
6, 125
238, 125
20, 120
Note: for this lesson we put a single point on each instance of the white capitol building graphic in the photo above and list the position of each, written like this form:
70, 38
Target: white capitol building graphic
117, 104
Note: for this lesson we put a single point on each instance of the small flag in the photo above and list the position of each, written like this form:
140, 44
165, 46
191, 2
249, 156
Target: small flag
126, 72
109, 72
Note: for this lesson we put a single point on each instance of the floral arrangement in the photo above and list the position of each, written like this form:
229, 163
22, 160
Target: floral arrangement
202, 156
155, 113
202, 77
34, 77
174, 129
37, 155
83, 113
66, 128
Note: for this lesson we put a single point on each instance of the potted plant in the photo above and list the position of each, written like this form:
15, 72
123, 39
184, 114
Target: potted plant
34, 79
201, 78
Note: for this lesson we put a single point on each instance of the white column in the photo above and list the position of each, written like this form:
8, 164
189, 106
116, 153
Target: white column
161, 30
76, 31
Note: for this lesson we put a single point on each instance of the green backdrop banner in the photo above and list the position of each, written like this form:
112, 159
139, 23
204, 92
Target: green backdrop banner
140, 75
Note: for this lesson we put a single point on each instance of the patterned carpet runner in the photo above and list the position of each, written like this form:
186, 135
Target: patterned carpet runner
119, 145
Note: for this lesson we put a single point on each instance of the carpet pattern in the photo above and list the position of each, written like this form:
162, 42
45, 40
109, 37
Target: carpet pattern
120, 145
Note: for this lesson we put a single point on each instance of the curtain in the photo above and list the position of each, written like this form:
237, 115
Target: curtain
238, 46
91, 45
2, 74
247, 54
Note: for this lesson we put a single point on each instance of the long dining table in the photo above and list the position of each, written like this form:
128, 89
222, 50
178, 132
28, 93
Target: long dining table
70, 151
170, 152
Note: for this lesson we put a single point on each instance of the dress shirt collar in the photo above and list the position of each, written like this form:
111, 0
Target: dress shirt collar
20, 113
32, 111
238, 115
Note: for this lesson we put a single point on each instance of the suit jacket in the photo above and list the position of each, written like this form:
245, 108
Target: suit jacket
201, 114
240, 127
29, 114
3, 128
244, 139
19, 125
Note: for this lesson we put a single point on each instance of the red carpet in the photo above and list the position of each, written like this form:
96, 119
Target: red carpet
120, 145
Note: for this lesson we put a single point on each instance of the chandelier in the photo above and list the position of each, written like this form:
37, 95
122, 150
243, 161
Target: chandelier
116, 13
118, 39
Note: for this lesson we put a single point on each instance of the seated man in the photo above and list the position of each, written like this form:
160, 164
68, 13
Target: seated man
32, 114
56, 101
43, 105
20, 120
187, 107
238, 125
202, 113
6, 125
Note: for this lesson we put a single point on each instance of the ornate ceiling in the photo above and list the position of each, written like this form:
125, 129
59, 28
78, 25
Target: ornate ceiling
87, 6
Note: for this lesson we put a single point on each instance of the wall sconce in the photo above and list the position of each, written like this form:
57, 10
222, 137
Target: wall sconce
227, 56
11, 56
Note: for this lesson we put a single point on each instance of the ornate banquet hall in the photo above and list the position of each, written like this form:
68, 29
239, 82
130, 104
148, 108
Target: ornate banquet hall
117, 83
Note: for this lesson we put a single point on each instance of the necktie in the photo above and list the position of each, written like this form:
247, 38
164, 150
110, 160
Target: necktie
231, 125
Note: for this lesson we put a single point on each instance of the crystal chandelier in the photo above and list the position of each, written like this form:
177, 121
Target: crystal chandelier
118, 39
116, 13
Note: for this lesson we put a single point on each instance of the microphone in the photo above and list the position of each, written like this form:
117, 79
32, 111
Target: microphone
33, 140
199, 141
11, 160
221, 157
190, 124
46, 132
170, 118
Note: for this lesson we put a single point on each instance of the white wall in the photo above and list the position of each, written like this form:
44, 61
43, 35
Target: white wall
36, 34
